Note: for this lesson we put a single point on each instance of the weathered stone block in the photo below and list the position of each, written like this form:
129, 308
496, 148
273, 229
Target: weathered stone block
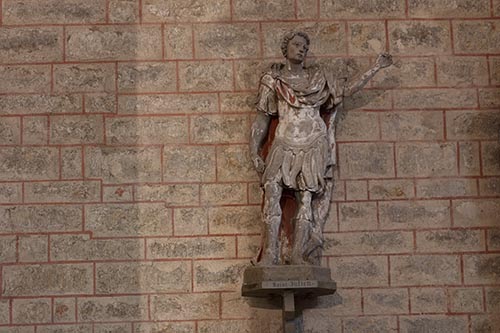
147, 130
476, 36
123, 11
390, 189
76, 129
435, 188
358, 126
117, 193
123, 165
370, 324
366, 160
25, 79
367, 271
10, 192
464, 300
426, 159
197, 10
412, 125
128, 220
50, 11
489, 98
179, 41
459, 240
493, 239
407, 72
64, 310
476, 213
63, 191
386, 301
223, 194
366, 38
167, 104
307, 9
462, 71
485, 323
428, 300
46, 218
75, 328
436, 323
205, 76
263, 10
82, 247
329, 37
492, 299
113, 328
425, 270
212, 275
84, 78
40, 104
227, 40
31, 44
362, 243
147, 77
113, 43
234, 164
190, 163
29, 163
419, 37
10, 131
185, 306
491, 158
494, 66
192, 247
248, 73
481, 268
116, 308
190, 221
248, 246
31, 311
358, 216
8, 249
356, 190
187, 327
448, 8
345, 302
145, 277
172, 195
39, 280
228, 326
362, 9
231, 220
441, 98
469, 158
469, 125
5, 313
35, 130
71, 164
414, 214
237, 102
100, 103
33, 248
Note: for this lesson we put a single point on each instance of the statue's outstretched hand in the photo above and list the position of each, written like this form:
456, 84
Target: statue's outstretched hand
384, 60
259, 164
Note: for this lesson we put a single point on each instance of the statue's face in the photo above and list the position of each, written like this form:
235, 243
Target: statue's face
297, 49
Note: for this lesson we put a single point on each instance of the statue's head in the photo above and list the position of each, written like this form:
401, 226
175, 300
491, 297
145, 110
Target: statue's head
296, 40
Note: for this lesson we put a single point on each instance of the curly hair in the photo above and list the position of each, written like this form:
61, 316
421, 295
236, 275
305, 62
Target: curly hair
289, 36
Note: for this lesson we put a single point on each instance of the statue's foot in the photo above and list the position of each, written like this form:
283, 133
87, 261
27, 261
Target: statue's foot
268, 260
298, 261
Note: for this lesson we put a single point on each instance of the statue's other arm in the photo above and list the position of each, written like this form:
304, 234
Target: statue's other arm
383, 60
260, 129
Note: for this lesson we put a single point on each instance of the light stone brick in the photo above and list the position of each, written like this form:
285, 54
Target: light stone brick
123, 11
442, 98
8, 249
390, 189
146, 130
233, 305
362, 243
167, 104
50, 11
113, 328
40, 104
227, 40
386, 301
366, 160
255, 193
231, 220
190, 221
73, 328
492, 299
100, 103
367, 271
426, 159
329, 37
406, 72
448, 8
366, 38
229, 326
494, 66
476, 36
33, 248
356, 190
248, 73
10, 193
64, 310
71, 164
40, 280
213, 275
469, 125
117, 193
185, 306
476, 213
490, 163
191, 247
358, 216
172, 195
179, 327
25, 79
147, 77
10, 131
464, 300
459, 240
84, 78
35, 130
205, 76
412, 125
462, 71
362, 9
263, 10
40, 218
469, 158
62, 192
76, 129
29, 163
407, 37
128, 220
121, 42
422, 270
173, 11
234, 164
5, 314
189, 163
31, 44
237, 102
358, 126
493, 239
435, 188
428, 300
370, 324
345, 302
143, 277
307, 9
83, 248
248, 246
485, 323
489, 98
123, 165
31, 311
116, 308
414, 214
179, 41
223, 194
481, 268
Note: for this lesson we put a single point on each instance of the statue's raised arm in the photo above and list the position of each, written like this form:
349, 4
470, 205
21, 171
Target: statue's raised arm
383, 60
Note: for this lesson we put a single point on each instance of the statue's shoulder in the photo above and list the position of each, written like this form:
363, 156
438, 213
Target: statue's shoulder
269, 76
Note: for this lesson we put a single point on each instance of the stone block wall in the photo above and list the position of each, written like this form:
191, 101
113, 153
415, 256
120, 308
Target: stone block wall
128, 202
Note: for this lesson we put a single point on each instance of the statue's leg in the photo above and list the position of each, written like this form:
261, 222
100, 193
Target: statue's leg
271, 215
321, 210
302, 227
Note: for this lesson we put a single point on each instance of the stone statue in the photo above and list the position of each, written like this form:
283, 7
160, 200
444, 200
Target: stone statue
302, 154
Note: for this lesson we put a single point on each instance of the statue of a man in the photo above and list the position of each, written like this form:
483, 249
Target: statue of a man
302, 154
